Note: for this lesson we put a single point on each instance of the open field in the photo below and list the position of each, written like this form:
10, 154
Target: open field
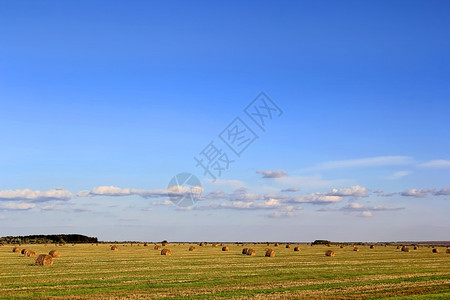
136, 272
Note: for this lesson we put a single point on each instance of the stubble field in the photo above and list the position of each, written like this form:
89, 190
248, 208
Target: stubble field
138, 272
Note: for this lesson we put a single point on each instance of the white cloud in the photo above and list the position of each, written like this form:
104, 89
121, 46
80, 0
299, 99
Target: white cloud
366, 213
284, 211
162, 203
242, 195
398, 175
416, 192
242, 205
30, 195
16, 206
80, 209
353, 191
113, 191
355, 206
442, 192
365, 162
316, 198
436, 164
52, 207
272, 173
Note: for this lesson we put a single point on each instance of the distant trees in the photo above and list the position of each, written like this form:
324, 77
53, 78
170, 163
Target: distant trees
48, 239
321, 242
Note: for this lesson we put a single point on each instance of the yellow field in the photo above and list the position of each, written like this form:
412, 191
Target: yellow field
137, 272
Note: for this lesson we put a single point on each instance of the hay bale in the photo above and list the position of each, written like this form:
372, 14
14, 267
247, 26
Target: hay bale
163, 244
405, 249
114, 248
251, 252
341, 246
270, 253
372, 247
276, 245
57, 254
16, 249
44, 260
416, 248
23, 251
225, 248
30, 253
192, 248
329, 253
244, 251
145, 244
157, 247
201, 244
166, 252
215, 244
447, 251
288, 246
435, 250
297, 249
355, 249
398, 247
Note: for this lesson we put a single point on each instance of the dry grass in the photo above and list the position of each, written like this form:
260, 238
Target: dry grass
89, 272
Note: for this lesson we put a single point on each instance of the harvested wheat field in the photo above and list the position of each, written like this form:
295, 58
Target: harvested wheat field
93, 272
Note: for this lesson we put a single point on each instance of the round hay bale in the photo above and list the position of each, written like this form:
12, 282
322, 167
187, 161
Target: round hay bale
44, 260
215, 244
406, 249
372, 247
398, 247
157, 247
225, 248
270, 253
166, 252
276, 245
23, 251
448, 250
16, 249
30, 253
244, 251
192, 248
145, 244
329, 253
435, 250
251, 252
416, 248
355, 249
201, 244
288, 246
222, 244
341, 246
297, 249
114, 248
163, 244
55, 253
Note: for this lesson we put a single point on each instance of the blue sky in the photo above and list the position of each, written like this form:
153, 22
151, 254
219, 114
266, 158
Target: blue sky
102, 103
